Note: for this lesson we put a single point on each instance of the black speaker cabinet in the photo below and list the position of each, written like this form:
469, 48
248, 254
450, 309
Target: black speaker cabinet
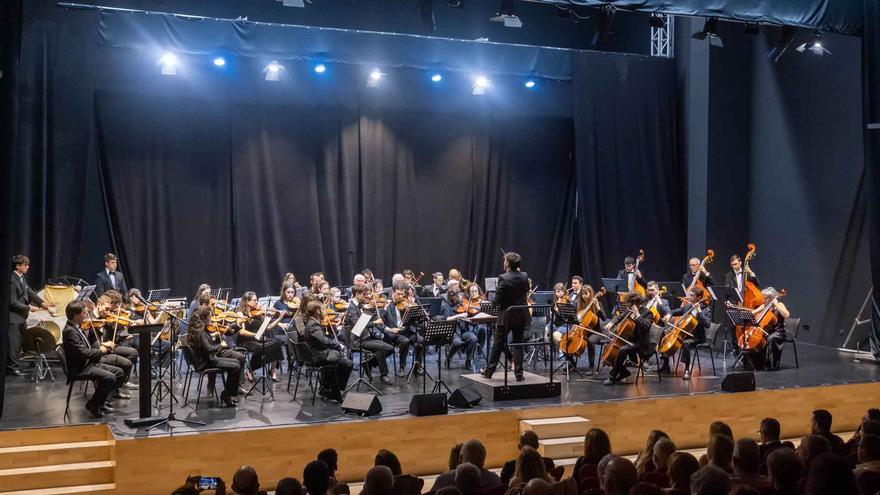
465, 397
738, 382
361, 404
428, 405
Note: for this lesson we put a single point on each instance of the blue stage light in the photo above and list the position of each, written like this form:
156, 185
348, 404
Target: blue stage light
220, 61
436, 78
320, 68
530, 84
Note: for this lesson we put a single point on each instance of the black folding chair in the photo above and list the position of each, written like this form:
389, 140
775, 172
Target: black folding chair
190, 370
311, 367
792, 328
71, 380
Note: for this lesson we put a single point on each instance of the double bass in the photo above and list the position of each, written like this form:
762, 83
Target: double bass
574, 342
696, 282
751, 337
751, 295
637, 287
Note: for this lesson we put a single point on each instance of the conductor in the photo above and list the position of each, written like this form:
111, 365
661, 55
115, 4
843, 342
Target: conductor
512, 290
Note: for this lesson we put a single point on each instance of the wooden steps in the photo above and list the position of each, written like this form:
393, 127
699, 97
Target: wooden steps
558, 438
57, 461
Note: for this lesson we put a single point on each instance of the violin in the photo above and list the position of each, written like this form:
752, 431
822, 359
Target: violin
119, 319
751, 337
752, 297
261, 312
340, 305
92, 323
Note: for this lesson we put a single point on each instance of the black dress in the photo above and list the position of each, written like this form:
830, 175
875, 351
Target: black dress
268, 349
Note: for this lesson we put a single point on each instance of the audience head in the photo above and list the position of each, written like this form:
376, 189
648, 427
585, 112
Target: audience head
873, 414
537, 486
821, 421
185, 490
288, 486
710, 480
720, 452
620, 476
831, 474
474, 452
869, 448
644, 489
869, 426
530, 465
812, 446
316, 477
245, 481
596, 445
448, 490
379, 481
467, 478
455, 456
653, 437
528, 438
601, 466
661, 452
784, 469
769, 430
388, 459
681, 466
746, 457
331, 459
720, 428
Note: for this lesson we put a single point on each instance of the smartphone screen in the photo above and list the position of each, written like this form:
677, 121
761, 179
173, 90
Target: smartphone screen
208, 483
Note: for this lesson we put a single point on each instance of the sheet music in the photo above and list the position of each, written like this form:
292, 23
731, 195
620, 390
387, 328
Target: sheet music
457, 316
361, 324
263, 326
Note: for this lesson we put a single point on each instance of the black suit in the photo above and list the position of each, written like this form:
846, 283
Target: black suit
371, 340
512, 290
428, 290
730, 280
326, 351
103, 283
83, 360
688, 278
21, 296
408, 335
623, 274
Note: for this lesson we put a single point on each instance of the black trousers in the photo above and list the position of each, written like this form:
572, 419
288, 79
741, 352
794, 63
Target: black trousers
232, 367
129, 353
592, 341
271, 348
107, 378
403, 340
499, 344
466, 340
627, 351
687, 346
380, 350
775, 343
341, 371
117, 361
16, 333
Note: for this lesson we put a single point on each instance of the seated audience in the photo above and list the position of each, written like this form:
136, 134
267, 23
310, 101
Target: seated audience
596, 446
379, 481
467, 479
719, 452
527, 438
852, 445
747, 464
331, 459
811, 447
663, 449
710, 480
716, 428
822, 426
474, 452
769, 431
643, 488
620, 476
681, 466
600, 468
288, 486
831, 474
537, 486
317, 478
529, 466
868, 454
404, 484
645, 459
784, 472
246, 482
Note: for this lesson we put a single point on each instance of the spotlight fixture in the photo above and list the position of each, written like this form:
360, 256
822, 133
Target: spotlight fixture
426, 14
375, 77
219, 61
815, 46
481, 84
658, 21
320, 68
293, 3
781, 47
607, 14
710, 31
168, 61
436, 78
273, 71
507, 14
530, 84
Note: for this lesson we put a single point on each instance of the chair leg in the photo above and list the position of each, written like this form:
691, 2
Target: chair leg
794, 348
315, 386
697, 359
186, 386
659, 375
67, 405
296, 388
199, 390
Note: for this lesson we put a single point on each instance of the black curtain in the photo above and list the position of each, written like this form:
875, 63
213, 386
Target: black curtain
871, 102
631, 194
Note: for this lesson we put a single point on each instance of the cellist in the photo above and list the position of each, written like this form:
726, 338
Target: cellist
776, 333
587, 294
640, 347
694, 305
697, 269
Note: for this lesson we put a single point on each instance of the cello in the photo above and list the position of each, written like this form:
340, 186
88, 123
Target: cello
574, 342
620, 336
696, 282
751, 295
654, 302
751, 337
684, 324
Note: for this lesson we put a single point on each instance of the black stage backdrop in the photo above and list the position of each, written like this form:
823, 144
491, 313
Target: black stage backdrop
630, 188
871, 102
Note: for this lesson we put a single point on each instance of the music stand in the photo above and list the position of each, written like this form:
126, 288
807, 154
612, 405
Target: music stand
85, 293
740, 316
488, 308
674, 289
722, 295
144, 377
438, 333
263, 381
615, 285
542, 297
568, 314
356, 331
157, 295
432, 305
413, 316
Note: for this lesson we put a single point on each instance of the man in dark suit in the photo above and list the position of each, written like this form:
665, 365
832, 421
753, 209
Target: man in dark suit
400, 335
631, 274
695, 269
737, 277
110, 277
436, 288
512, 290
83, 360
372, 338
21, 298
527, 438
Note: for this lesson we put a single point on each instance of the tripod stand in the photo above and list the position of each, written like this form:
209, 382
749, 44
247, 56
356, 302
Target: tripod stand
439, 333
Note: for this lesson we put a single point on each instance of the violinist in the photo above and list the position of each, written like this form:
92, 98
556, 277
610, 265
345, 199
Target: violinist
408, 276
377, 295
326, 351
436, 288
737, 275
209, 354
454, 274
775, 334
372, 338
286, 305
268, 348
465, 338
697, 269
290, 279
399, 335
631, 274
206, 308
299, 317
105, 311
357, 281
96, 340
477, 296
512, 290
195, 303
368, 276
577, 282
560, 323
315, 279
695, 304
587, 295
640, 345
150, 316
323, 293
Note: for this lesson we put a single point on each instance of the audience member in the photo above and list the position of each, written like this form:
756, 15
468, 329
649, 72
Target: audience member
716, 428
822, 426
331, 459
643, 488
245, 481
529, 465
747, 464
388, 459
868, 454
681, 466
662, 450
474, 452
537, 486
455, 456
379, 481
404, 484
645, 459
600, 468
317, 478
852, 444
288, 486
831, 474
467, 478
770, 434
719, 452
620, 476
596, 446
812, 446
527, 438
710, 480
784, 470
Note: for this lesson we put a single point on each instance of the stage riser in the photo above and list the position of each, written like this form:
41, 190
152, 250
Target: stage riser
72, 453
61, 434
564, 427
88, 474
519, 392
562, 448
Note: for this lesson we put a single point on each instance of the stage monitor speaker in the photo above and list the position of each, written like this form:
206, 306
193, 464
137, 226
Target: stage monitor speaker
465, 397
428, 405
738, 382
362, 404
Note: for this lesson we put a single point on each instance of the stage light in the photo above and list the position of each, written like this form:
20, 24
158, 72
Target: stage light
530, 84
375, 77
320, 68
710, 30
293, 3
605, 21
436, 78
168, 61
507, 14
480, 85
815, 46
781, 47
273, 71
219, 61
